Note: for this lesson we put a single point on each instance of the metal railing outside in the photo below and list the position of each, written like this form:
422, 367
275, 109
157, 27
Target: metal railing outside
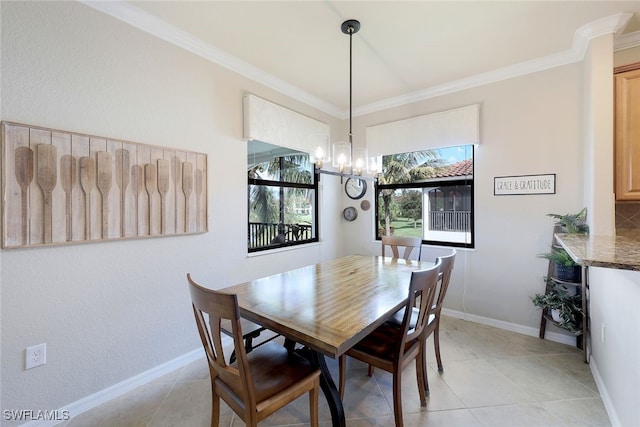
273, 234
450, 220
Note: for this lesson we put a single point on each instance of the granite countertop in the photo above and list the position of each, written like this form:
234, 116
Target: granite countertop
620, 252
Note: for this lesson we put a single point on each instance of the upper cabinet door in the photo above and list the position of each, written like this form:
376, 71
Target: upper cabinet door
627, 132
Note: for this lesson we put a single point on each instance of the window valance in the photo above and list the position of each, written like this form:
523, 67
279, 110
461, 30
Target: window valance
460, 126
268, 122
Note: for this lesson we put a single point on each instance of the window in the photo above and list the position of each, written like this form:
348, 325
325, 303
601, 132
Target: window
283, 197
427, 194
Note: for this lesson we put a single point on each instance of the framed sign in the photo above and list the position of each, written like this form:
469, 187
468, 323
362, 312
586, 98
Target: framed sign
524, 184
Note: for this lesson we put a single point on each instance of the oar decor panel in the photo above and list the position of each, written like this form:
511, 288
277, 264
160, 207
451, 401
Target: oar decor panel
60, 187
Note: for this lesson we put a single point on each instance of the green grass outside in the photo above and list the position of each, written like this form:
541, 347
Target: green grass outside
404, 228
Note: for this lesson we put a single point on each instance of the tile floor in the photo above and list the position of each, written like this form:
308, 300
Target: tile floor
491, 378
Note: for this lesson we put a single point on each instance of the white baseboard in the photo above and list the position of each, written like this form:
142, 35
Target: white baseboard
525, 330
96, 399
85, 404
604, 394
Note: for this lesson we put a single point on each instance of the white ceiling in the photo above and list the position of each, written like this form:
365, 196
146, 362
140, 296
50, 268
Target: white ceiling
404, 51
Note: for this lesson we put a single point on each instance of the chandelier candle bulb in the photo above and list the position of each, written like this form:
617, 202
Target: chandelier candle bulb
375, 164
319, 157
361, 163
359, 166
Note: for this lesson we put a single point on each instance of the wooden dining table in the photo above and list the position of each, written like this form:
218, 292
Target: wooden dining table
328, 307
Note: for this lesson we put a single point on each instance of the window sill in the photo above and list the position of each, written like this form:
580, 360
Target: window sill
283, 249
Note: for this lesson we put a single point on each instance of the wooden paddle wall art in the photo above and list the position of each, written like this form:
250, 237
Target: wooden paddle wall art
60, 187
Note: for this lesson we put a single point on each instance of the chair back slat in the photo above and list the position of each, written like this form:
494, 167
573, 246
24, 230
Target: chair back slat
446, 267
422, 288
407, 245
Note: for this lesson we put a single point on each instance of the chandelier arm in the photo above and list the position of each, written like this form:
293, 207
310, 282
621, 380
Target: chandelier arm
342, 175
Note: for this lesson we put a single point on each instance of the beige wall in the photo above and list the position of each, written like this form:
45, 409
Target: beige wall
599, 197
109, 311
626, 57
528, 125
615, 347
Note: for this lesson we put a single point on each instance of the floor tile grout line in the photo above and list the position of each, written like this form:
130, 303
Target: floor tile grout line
541, 354
166, 396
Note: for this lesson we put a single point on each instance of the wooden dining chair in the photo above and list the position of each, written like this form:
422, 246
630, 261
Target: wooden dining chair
433, 322
254, 335
258, 383
392, 349
407, 245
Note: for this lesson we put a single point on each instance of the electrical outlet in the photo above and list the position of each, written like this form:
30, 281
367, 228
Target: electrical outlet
602, 332
35, 356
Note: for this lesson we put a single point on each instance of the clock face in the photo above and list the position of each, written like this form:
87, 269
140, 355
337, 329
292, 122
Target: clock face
355, 188
350, 213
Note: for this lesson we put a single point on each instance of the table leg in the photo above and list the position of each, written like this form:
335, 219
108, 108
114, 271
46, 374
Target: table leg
326, 382
330, 391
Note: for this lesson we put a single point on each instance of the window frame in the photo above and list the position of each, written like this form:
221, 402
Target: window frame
432, 184
281, 184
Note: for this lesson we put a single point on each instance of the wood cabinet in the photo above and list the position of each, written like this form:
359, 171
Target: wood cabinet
627, 132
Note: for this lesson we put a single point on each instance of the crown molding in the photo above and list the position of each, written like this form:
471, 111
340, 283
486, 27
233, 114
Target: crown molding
144, 21
582, 38
627, 41
148, 23
489, 77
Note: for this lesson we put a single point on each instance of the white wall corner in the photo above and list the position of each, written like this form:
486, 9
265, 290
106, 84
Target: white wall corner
598, 170
611, 24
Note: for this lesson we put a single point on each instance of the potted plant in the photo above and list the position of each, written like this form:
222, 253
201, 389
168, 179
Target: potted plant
565, 309
572, 223
564, 267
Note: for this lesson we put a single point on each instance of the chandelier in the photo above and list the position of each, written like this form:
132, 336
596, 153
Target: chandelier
347, 161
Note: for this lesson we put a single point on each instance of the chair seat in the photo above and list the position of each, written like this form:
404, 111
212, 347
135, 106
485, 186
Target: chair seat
397, 318
381, 343
274, 369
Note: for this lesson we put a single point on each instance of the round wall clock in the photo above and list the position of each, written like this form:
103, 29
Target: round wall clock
365, 205
355, 188
350, 213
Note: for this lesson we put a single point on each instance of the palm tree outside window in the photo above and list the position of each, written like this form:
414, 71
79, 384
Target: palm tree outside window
427, 194
282, 196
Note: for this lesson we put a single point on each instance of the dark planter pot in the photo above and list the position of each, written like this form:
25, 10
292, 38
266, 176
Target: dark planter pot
568, 274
